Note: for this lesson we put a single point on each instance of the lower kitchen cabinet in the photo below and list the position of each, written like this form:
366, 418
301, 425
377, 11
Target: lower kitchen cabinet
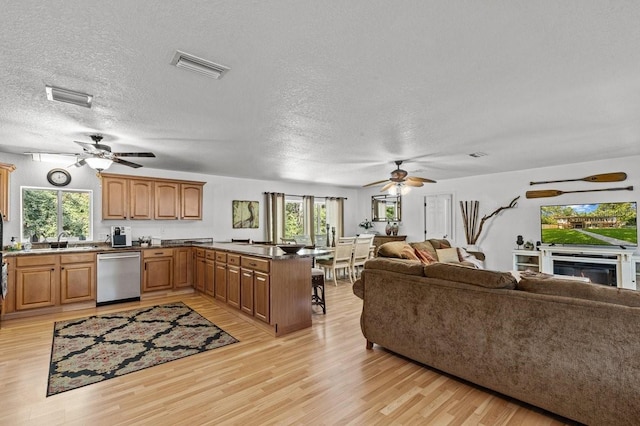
209, 275
77, 277
182, 267
233, 286
37, 284
221, 276
246, 291
158, 269
199, 269
45, 281
261, 291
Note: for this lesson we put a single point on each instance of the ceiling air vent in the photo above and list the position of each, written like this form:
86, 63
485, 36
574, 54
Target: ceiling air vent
477, 154
69, 96
199, 65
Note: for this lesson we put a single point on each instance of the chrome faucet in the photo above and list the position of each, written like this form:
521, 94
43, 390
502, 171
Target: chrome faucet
60, 235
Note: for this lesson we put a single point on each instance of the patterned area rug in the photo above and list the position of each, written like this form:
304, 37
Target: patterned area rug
92, 349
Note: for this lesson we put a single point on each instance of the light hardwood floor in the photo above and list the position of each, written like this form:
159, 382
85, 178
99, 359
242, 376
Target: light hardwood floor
319, 376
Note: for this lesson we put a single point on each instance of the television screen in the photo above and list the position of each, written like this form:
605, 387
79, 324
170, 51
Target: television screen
602, 224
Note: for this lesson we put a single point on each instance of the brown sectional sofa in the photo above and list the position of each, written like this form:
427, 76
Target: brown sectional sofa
568, 347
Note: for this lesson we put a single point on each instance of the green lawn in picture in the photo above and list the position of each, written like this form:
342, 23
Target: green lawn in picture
569, 236
624, 234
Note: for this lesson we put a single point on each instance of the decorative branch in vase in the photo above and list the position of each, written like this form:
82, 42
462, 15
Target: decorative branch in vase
470, 218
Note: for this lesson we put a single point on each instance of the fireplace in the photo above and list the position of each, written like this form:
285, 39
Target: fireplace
598, 273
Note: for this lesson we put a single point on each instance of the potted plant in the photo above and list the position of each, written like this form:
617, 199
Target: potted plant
144, 241
366, 224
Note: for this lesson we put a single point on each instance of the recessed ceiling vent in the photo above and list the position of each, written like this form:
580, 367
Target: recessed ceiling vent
477, 154
199, 65
69, 96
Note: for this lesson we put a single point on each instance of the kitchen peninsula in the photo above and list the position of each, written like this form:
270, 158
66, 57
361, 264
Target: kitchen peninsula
259, 282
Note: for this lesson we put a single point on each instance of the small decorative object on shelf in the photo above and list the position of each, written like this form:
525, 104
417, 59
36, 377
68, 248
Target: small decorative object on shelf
388, 228
529, 245
366, 224
519, 241
395, 229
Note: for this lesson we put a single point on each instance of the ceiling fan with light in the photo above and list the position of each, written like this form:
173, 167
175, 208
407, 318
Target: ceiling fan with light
96, 155
400, 181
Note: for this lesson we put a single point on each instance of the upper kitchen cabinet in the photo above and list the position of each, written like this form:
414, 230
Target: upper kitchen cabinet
167, 200
138, 197
5, 171
191, 203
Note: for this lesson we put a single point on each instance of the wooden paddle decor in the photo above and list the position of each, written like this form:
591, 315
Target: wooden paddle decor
604, 177
543, 193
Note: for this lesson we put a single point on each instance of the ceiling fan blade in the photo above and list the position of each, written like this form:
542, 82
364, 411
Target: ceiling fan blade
126, 163
420, 179
89, 147
78, 163
375, 183
387, 186
413, 183
134, 154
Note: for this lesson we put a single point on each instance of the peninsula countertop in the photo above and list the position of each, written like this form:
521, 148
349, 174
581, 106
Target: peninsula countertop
256, 250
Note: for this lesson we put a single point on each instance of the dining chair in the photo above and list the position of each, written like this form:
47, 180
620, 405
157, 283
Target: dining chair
361, 253
341, 259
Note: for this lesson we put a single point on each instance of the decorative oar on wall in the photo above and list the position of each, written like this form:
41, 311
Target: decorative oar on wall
470, 218
543, 193
603, 177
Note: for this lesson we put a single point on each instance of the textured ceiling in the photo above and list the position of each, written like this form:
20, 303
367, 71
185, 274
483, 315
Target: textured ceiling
327, 91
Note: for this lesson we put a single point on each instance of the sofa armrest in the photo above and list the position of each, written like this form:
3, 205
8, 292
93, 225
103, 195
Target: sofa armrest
478, 254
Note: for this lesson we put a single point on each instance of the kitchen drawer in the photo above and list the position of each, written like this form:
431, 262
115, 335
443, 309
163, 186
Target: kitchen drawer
233, 259
49, 259
221, 256
200, 252
77, 258
159, 252
210, 254
255, 264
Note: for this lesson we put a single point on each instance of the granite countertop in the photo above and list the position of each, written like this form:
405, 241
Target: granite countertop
265, 251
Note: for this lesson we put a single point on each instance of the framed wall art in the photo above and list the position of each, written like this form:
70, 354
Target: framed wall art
245, 214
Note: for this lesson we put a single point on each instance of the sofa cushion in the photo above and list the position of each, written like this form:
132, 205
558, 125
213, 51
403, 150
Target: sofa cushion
580, 290
425, 257
448, 255
392, 249
464, 274
402, 266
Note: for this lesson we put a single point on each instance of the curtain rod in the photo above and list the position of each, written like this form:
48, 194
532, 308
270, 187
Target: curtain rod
294, 195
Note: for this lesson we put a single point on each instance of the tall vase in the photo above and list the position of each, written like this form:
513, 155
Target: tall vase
388, 228
395, 229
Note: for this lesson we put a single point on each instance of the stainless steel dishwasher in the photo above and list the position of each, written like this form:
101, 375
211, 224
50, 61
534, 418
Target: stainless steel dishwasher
118, 277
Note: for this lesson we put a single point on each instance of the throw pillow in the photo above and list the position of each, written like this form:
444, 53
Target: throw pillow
425, 246
392, 249
425, 256
408, 253
448, 255
465, 256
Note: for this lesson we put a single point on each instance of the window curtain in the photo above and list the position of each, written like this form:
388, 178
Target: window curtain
335, 215
309, 219
274, 229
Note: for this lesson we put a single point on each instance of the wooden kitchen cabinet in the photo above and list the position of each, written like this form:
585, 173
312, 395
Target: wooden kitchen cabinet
36, 282
141, 197
233, 280
158, 269
77, 277
167, 200
261, 291
221, 276
115, 198
199, 269
182, 267
209, 272
5, 189
246, 291
141, 193
191, 201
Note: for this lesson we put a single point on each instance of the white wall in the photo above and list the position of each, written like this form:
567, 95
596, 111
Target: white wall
492, 191
217, 197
